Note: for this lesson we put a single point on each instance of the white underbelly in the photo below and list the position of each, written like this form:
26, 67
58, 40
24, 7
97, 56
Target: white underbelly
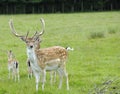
51, 68
52, 64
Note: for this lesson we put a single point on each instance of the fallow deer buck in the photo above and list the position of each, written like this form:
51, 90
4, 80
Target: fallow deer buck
47, 59
30, 72
13, 66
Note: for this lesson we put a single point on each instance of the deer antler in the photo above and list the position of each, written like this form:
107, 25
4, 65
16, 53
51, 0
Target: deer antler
43, 27
13, 29
35, 34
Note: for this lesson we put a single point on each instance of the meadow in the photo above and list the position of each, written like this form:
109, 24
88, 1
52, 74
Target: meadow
95, 38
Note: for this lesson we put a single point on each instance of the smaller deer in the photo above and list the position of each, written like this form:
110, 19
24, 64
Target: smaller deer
30, 72
13, 66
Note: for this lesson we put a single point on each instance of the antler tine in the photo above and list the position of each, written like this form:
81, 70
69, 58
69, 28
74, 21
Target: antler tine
12, 29
43, 27
35, 34
27, 35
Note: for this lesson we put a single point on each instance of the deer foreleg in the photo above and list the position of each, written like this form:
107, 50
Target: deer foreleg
37, 77
44, 78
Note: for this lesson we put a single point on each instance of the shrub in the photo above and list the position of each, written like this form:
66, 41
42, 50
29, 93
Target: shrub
94, 35
112, 31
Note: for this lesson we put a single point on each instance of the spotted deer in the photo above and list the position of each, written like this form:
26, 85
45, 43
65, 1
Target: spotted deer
45, 59
13, 66
30, 72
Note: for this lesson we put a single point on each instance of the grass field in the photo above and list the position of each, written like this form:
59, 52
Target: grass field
94, 59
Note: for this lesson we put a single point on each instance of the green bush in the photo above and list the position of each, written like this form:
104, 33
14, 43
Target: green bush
94, 35
112, 31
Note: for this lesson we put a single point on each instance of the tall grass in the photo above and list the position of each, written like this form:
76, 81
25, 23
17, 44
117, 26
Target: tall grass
88, 65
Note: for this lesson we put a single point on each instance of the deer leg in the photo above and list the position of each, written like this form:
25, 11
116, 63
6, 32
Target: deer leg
51, 77
66, 76
18, 77
61, 77
15, 77
37, 77
15, 73
54, 76
28, 74
9, 74
31, 74
12, 74
44, 78
18, 74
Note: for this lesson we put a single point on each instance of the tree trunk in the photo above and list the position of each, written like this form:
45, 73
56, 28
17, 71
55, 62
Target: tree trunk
82, 7
63, 7
42, 8
14, 10
24, 9
7, 8
111, 7
53, 9
33, 9
72, 8
91, 7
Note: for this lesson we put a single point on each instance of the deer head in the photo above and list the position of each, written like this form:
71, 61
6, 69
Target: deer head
30, 41
10, 54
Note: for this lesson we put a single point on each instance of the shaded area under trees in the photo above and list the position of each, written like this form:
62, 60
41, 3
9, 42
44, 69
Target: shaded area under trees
56, 6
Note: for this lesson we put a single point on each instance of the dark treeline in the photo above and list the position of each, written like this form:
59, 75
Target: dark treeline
56, 6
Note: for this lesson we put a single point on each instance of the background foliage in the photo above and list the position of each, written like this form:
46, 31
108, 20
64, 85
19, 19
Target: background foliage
56, 6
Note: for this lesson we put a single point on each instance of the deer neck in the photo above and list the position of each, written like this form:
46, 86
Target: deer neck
31, 55
33, 59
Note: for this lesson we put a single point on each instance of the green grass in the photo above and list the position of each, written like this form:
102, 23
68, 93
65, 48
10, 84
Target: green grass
92, 61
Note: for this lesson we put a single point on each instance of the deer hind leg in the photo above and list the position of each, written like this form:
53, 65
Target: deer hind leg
52, 77
18, 74
30, 72
17, 71
67, 80
18, 77
62, 72
60, 77
13, 74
